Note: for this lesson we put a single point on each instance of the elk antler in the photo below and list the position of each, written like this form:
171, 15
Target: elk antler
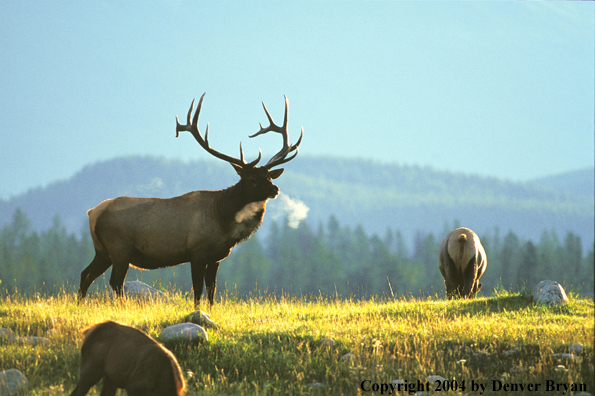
280, 157
192, 127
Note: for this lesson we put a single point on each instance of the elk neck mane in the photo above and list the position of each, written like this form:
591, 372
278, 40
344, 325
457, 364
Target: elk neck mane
241, 212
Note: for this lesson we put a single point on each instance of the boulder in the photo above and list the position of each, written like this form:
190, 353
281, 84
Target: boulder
576, 348
548, 292
13, 382
201, 318
5, 334
184, 332
434, 378
31, 340
327, 342
348, 357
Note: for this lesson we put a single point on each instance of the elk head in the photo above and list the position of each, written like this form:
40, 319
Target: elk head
255, 180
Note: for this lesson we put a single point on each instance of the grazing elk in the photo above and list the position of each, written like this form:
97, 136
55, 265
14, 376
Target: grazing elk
200, 227
129, 359
462, 261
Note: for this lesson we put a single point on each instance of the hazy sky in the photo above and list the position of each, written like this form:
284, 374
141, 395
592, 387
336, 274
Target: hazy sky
503, 89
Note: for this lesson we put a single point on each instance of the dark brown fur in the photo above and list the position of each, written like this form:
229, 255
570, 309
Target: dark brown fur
127, 358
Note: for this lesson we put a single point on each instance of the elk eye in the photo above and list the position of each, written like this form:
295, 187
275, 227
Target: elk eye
252, 180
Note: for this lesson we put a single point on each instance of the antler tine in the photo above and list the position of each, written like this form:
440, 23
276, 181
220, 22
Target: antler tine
279, 158
192, 127
287, 148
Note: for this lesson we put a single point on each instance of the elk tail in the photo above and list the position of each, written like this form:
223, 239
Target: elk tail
462, 242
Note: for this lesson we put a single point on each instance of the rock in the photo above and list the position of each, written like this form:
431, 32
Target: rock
548, 292
140, 290
511, 352
327, 342
12, 382
434, 378
201, 318
184, 332
565, 357
576, 348
31, 340
5, 334
348, 357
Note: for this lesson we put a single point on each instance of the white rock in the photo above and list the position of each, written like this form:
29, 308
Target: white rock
327, 342
576, 348
548, 292
348, 357
184, 332
201, 318
434, 378
31, 340
12, 382
5, 334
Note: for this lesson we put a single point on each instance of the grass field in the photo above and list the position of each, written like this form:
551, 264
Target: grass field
273, 345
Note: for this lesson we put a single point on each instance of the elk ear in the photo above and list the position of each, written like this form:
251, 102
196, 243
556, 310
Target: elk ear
237, 168
276, 173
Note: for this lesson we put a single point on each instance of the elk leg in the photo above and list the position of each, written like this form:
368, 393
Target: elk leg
116, 280
470, 278
211, 281
451, 277
108, 389
89, 377
98, 266
198, 273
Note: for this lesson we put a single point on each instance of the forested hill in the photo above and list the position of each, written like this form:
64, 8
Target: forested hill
376, 196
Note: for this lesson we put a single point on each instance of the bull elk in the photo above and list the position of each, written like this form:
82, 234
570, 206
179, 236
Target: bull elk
462, 261
127, 358
200, 227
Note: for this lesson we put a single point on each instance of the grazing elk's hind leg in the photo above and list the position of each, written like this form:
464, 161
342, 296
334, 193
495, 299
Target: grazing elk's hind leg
452, 286
98, 266
211, 281
470, 278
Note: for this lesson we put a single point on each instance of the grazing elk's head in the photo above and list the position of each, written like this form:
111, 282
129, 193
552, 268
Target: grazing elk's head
256, 181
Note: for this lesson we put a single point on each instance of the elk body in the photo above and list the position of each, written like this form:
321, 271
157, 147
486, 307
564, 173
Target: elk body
200, 227
127, 358
462, 261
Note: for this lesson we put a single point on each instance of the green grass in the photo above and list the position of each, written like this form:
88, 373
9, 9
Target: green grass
267, 345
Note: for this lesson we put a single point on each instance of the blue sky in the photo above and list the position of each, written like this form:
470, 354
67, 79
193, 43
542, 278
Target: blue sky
502, 89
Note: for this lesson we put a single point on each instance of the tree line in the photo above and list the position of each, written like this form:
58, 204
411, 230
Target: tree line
330, 260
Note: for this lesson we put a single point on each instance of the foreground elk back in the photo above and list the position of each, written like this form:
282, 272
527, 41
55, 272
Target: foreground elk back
200, 227
462, 261
127, 358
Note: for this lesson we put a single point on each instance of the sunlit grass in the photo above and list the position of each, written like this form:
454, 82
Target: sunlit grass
269, 344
